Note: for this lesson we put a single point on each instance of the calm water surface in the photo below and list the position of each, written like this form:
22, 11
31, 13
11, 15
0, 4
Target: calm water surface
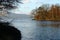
38, 30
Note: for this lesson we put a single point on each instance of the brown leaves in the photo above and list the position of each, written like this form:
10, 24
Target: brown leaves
44, 14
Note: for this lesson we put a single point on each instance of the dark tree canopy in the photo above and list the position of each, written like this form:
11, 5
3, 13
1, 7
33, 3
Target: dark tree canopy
9, 3
9, 0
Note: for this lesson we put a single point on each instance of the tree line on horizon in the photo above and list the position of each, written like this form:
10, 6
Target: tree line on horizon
46, 12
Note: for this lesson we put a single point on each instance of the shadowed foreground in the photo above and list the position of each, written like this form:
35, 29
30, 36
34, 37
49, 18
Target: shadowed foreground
8, 32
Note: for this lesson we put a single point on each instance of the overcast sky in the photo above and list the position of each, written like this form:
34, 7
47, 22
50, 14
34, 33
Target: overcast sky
29, 5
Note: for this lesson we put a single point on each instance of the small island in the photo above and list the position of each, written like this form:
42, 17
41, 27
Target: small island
46, 12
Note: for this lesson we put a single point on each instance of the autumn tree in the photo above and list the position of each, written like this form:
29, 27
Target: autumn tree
45, 12
41, 12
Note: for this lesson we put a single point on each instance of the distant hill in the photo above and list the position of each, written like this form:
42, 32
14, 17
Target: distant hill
13, 16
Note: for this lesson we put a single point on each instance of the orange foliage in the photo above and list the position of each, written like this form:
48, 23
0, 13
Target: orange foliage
52, 14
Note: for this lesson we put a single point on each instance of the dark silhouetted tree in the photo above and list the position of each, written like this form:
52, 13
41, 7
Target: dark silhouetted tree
9, 4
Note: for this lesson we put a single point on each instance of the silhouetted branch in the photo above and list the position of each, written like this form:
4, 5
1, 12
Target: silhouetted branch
9, 4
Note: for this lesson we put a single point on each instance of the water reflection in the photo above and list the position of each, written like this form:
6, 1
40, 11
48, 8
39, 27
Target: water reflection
38, 30
48, 23
50, 30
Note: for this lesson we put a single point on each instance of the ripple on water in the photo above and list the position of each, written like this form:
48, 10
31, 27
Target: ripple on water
38, 30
